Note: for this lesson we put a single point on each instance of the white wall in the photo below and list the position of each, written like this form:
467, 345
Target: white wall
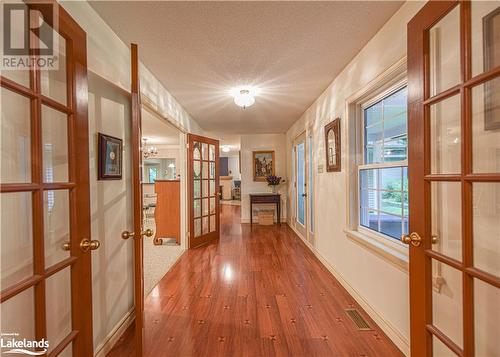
381, 286
259, 142
233, 164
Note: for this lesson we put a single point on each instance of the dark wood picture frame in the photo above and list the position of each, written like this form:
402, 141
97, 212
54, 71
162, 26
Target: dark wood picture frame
491, 58
104, 157
262, 178
334, 153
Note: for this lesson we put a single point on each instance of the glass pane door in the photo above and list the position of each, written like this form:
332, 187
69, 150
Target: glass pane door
44, 200
301, 185
204, 190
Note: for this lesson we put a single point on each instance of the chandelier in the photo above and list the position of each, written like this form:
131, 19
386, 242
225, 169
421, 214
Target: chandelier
148, 151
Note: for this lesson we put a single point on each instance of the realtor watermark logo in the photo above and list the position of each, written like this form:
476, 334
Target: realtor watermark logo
28, 38
10, 343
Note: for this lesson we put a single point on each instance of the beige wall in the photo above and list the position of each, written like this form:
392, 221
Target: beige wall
259, 142
380, 286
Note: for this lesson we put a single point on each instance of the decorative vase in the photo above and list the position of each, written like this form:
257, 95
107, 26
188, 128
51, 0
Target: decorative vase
274, 188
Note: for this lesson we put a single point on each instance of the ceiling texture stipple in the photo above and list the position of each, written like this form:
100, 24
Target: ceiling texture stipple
291, 51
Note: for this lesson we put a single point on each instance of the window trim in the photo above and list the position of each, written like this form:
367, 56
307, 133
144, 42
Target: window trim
385, 247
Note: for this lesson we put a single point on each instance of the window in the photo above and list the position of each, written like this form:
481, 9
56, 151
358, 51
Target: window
153, 174
383, 174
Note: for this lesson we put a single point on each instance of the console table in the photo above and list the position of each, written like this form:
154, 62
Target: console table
259, 198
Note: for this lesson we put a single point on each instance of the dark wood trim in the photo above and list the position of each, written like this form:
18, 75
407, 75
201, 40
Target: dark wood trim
19, 287
63, 344
444, 339
136, 125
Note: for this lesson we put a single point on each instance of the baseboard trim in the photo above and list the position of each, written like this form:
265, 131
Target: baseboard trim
390, 330
112, 338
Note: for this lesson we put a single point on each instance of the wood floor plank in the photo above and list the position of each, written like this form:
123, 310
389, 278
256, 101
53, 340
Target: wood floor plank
257, 292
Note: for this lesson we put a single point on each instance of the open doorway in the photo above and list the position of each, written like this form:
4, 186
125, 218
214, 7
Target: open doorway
162, 198
230, 171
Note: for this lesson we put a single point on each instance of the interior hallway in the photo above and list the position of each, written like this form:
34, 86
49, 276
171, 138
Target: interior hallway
257, 292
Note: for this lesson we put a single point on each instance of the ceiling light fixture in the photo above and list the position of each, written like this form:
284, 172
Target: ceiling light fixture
244, 96
225, 148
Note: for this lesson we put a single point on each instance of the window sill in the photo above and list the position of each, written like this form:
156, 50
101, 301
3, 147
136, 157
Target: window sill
397, 257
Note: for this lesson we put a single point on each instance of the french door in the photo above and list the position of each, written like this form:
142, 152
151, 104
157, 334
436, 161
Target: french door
301, 211
46, 249
454, 178
203, 173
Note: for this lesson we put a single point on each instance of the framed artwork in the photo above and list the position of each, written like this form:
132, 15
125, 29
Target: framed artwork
263, 165
332, 146
109, 157
491, 58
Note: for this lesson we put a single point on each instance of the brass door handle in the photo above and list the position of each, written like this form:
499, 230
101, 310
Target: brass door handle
66, 246
413, 239
87, 244
126, 234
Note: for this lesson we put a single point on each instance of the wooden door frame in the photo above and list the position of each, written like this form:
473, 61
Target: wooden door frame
78, 186
136, 124
420, 178
190, 181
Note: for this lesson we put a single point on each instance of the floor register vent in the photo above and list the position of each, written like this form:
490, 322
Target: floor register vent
360, 322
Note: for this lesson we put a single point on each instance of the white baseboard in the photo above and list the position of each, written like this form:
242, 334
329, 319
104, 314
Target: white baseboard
390, 330
112, 338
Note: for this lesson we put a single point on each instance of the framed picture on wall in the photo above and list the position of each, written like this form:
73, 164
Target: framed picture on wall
491, 58
109, 153
332, 146
263, 165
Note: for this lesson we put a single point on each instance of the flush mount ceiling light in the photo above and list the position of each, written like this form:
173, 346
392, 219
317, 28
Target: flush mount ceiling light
225, 148
244, 96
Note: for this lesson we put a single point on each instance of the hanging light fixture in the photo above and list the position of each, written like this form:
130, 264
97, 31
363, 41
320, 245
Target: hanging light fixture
244, 96
148, 151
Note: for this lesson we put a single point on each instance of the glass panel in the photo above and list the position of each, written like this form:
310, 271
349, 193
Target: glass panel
53, 82
369, 199
67, 352
486, 317
212, 223
205, 225
197, 208
368, 178
197, 227
204, 151
204, 191
55, 145
211, 149
311, 186
16, 134
56, 225
486, 127
447, 313
204, 173
373, 114
212, 205
439, 349
369, 218
486, 226
445, 136
196, 150
391, 225
18, 315
444, 47
204, 206
374, 138
212, 170
197, 169
58, 302
485, 30
212, 187
446, 216
197, 189
301, 178
16, 239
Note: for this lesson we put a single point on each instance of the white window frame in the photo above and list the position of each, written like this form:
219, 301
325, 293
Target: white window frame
388, 248
363, 166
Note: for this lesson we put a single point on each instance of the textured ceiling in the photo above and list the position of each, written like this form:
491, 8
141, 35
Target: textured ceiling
290, 50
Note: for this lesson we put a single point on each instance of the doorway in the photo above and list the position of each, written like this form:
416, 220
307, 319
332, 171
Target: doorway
454, 178
45, 198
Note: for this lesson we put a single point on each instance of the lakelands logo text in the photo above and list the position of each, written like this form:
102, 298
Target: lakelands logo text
30, 37
11, 343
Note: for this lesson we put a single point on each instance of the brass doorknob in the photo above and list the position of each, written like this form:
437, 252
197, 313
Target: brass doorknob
126, 234
66, 246
87, 244
413, 239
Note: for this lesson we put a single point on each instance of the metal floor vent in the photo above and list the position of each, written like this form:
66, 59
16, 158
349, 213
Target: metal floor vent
360, 322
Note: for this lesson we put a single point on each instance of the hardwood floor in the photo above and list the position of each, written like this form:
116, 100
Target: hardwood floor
257, 292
